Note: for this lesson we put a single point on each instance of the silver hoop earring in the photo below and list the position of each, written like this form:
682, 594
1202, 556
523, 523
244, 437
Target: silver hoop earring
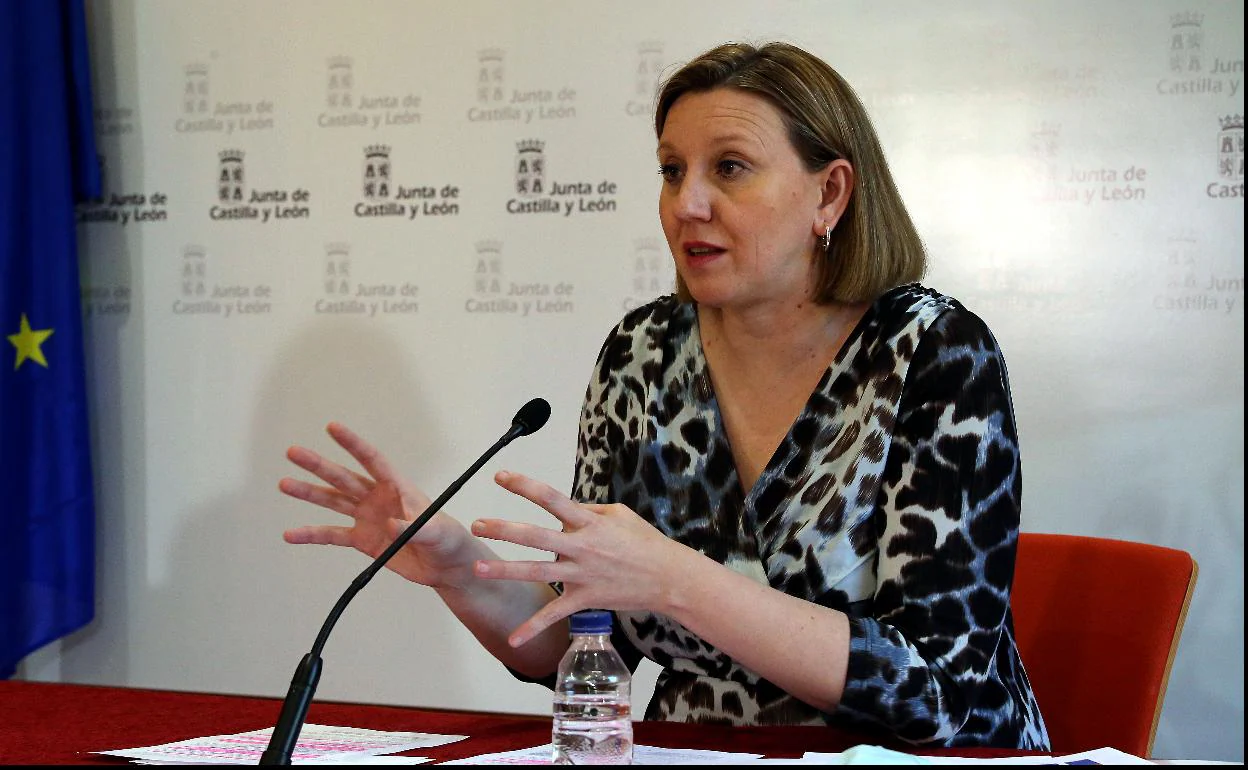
826, 240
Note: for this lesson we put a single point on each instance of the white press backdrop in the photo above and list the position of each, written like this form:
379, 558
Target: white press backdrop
319, 210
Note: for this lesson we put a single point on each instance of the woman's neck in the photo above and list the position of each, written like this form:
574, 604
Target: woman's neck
777, 335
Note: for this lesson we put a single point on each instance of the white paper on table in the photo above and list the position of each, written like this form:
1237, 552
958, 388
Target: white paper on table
1105, 756
538, 755
318, 744
864, 754
642, 755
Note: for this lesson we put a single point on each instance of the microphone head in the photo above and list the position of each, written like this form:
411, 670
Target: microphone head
531, 417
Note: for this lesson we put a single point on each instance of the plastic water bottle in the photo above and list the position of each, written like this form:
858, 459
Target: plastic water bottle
593, 704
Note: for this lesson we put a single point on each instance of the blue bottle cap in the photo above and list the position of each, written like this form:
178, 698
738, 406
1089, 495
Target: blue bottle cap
591, 622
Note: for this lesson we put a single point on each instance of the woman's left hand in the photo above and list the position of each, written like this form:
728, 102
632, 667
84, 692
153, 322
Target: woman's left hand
608, 557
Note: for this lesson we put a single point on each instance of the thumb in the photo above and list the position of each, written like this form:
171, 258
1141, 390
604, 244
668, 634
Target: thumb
552, 613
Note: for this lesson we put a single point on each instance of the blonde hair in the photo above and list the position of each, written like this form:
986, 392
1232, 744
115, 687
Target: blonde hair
875, 246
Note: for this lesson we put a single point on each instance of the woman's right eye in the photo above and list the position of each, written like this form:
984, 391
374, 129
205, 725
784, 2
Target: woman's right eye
669, 172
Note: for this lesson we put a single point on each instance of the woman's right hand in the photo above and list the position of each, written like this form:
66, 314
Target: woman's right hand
381, 505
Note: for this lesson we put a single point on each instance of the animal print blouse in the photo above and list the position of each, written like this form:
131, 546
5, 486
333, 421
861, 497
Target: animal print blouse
894, 498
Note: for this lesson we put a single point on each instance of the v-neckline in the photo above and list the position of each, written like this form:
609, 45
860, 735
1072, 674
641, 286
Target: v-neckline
750, 496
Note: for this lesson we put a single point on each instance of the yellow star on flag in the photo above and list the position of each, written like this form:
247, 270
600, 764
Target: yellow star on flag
27, 342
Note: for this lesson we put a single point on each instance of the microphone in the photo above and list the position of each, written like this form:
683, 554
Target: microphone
531, 417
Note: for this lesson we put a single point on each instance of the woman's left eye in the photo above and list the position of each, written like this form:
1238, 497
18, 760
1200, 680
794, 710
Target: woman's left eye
730, 168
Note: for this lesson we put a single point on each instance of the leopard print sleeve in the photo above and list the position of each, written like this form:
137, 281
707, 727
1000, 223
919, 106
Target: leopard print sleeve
935, 661
600, 425
601, 429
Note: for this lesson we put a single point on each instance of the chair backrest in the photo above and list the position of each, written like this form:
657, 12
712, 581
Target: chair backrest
1097, 623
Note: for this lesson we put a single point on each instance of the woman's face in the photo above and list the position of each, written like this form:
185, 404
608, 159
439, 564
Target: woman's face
740, 211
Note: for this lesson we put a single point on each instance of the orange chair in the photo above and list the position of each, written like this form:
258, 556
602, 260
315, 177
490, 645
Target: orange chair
1097, 623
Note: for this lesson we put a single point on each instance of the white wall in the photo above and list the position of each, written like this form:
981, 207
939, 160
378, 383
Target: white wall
1062, 160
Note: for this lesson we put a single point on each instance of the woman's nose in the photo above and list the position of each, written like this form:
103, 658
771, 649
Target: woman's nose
692, 200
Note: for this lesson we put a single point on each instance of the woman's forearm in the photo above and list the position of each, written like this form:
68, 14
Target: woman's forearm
797, 645
492, 609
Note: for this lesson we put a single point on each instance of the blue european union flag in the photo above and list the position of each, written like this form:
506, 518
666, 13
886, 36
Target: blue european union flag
47, 161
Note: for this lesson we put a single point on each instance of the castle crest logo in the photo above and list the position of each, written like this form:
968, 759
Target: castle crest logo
490, 80
337, 269
653, 273
488, 275
1230, 160
530, 168
534, 195
339, 296
1187, 37
382, 196
650, 66
491, 90
1186, 62
1231, 148
195, 91
198, 297
235, 201
493, 101
489, 282
347, 108
200, 114
494, 294
230, 178
340, 86
376, 183
194, 272
1193, 283
367, 300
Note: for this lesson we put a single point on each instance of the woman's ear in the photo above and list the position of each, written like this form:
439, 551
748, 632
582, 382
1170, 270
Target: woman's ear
838, 184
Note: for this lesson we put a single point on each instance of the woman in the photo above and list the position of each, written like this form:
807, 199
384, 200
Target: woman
797, 480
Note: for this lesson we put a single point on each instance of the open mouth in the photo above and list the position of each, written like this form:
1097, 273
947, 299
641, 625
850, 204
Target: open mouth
697, 252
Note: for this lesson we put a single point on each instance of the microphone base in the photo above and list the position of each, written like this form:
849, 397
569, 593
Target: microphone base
294, 712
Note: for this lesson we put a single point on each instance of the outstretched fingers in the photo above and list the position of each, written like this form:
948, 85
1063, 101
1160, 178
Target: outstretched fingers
556, 610
529, 535
347, 482
525, 571
571, 513
322, 535
326, 497
364, 453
